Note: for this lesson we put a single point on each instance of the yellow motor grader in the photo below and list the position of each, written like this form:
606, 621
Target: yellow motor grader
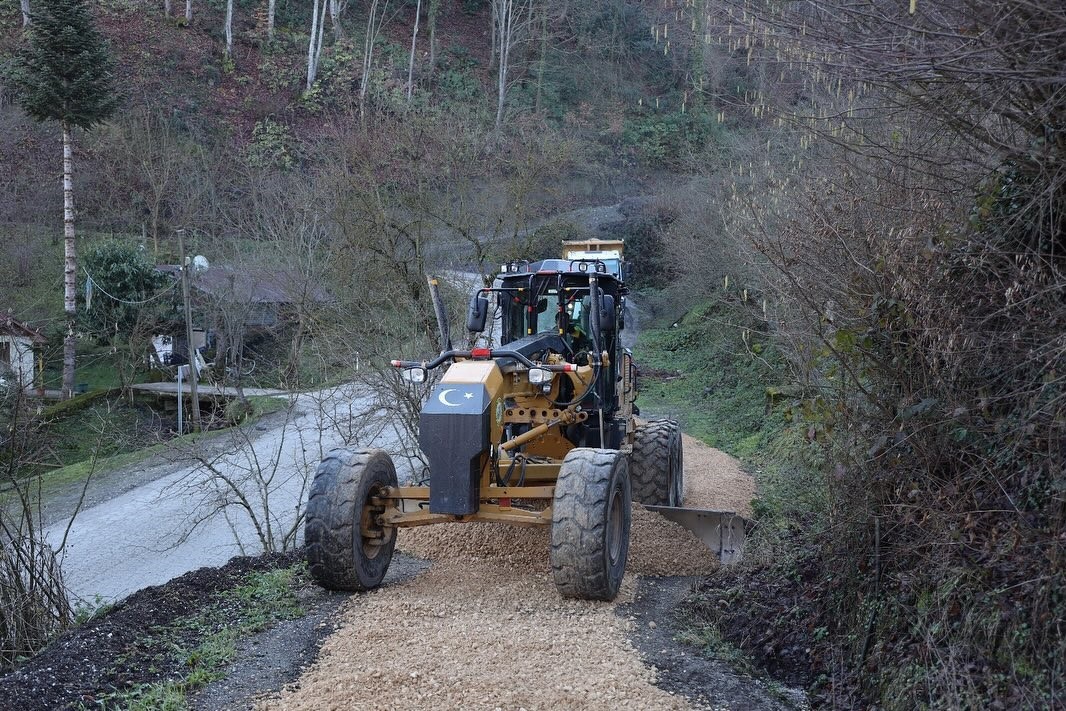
538, 432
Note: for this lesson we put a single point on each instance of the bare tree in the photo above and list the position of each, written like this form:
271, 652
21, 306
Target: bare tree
314, 48
512, 19
35, 604
293, 240
228, 29
431, 19
374, 21
411, 61
256, 485
336, 8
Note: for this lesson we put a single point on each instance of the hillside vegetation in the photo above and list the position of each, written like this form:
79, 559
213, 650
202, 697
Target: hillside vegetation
849, 244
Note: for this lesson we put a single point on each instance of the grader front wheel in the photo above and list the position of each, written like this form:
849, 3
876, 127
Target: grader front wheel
346, 548
590, 524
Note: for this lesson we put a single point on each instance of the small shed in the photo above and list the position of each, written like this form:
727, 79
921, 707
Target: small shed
18, 351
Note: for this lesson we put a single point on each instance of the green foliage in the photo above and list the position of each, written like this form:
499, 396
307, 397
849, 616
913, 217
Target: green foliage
237, 411
86, 611
271, 146
65, 72
646, 252
128, 293
457, 82
472, 7
665, 138
708, 640
704, 372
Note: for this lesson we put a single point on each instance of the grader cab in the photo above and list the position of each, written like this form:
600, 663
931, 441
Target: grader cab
537, 432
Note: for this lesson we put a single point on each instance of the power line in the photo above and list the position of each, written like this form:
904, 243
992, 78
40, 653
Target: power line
96, 285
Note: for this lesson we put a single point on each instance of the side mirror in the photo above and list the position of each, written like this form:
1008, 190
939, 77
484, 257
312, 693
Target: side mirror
417, 374
477, 313
607, 315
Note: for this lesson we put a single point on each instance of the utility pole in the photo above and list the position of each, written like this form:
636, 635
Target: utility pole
194, 376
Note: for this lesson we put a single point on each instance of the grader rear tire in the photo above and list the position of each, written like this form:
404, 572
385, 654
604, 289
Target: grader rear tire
590, 524
346, 549
657, 465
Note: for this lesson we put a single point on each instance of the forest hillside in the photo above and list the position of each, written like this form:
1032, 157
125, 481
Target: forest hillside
846, 222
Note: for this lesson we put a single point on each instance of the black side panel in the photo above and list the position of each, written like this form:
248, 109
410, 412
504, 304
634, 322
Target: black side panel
453, 432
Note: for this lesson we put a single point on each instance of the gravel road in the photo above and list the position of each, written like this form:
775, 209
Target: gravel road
485, 628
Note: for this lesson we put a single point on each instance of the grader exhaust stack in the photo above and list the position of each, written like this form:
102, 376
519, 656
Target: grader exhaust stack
538, 432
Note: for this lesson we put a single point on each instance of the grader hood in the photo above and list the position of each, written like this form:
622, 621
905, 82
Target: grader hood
455, 429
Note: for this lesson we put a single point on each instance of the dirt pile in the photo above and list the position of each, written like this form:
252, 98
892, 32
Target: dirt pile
656, 546
115, 653
485, 627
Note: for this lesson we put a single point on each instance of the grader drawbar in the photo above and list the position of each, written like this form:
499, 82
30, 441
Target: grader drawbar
538, 432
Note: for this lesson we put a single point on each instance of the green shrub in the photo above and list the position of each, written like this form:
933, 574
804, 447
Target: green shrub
665, 138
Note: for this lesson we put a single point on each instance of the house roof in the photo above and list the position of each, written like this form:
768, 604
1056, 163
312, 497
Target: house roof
258, 285
10, 326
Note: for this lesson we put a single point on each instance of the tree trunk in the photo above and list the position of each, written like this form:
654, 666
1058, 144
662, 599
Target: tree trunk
513, 17
25, 13
156, 209
495, 29
373, 26
312, 55
229, 29
292, 370
188, 11
699, 70
543, 57
271, 7
321, 31
335, 18
411, 63
434, 7
502, 14
166, 8
70, 262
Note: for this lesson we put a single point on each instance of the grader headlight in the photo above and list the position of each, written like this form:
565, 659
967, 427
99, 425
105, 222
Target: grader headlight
539, 376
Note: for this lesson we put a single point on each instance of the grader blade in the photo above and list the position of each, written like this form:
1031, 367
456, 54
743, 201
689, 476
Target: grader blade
724, 532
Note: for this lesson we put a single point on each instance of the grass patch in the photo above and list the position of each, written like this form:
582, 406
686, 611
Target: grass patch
711, 371
77, 440
199, 647
707, 639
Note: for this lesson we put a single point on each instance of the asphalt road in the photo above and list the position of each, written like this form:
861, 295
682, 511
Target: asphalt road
212, 501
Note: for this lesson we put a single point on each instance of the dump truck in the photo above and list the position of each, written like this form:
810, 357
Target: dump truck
539, 430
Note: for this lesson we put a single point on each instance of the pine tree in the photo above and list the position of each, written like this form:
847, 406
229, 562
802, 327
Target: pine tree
65, 74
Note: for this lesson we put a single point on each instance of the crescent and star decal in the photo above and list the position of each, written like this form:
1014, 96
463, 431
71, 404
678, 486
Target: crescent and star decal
443, 397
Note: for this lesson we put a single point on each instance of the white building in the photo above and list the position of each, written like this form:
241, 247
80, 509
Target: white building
17, 360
